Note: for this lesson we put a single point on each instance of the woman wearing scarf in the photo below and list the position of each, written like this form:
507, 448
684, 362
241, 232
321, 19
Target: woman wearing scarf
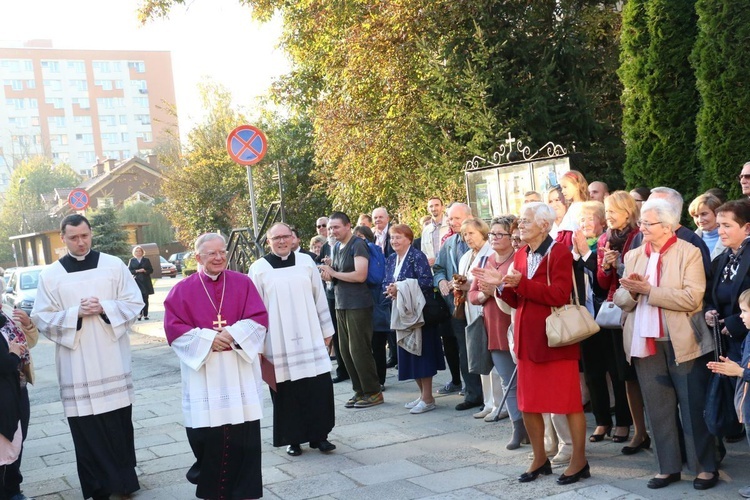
598, 352
661, 288
16, 371
622, 212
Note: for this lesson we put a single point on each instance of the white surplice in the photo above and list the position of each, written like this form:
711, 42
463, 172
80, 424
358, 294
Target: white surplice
299, 319
93, 363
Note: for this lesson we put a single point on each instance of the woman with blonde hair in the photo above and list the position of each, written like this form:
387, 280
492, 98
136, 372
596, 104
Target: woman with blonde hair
703, 211
141, 269
575, 189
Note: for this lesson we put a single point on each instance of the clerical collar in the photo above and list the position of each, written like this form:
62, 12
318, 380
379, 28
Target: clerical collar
213, 277
284, 257
80, 258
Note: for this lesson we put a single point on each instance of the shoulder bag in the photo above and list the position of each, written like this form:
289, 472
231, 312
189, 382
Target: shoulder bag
610, 314
570, 323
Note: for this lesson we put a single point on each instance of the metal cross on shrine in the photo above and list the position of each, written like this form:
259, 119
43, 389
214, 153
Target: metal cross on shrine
510, 140
219, 323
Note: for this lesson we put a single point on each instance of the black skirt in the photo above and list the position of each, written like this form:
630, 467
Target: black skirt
303, 410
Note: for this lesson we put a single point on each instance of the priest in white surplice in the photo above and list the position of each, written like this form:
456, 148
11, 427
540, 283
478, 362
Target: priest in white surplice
85, 304
216, 323
299, 329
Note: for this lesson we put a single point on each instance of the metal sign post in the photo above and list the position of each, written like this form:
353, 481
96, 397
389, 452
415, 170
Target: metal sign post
247, 145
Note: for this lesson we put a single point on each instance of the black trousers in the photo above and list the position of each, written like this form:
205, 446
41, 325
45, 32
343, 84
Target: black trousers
450, 349
10, 475
378, 352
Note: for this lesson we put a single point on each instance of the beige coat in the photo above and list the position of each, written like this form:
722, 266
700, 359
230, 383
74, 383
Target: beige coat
679, 295
32, 337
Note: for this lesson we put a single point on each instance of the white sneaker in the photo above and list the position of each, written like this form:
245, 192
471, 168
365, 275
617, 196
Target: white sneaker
561, 458
412, 404
496, 415
483, 413
422, 407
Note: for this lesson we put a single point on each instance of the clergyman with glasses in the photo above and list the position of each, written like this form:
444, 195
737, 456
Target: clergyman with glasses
299, 331
216, 323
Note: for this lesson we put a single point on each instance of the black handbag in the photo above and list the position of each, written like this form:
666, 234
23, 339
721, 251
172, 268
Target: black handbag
719, 413
435, 309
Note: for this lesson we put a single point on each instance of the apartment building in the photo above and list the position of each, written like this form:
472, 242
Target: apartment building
81, 107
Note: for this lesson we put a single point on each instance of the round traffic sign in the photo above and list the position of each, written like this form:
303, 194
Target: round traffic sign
79, 199
246, 145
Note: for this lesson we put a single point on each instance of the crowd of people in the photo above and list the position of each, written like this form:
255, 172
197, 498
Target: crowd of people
624, 252
468, 295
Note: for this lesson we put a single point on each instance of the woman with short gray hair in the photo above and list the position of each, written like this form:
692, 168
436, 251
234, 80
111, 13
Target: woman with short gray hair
661, 289
548, 380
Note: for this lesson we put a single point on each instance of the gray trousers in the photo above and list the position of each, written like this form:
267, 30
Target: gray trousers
505, 366
668, 387
355, 342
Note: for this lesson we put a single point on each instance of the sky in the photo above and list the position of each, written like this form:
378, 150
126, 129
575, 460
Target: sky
204, 38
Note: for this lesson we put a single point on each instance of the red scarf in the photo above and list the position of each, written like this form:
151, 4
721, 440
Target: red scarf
650, 341
447, 235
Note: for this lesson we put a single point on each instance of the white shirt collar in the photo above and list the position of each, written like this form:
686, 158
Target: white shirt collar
79, 258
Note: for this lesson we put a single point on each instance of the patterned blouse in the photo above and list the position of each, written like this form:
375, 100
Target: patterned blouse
415, 266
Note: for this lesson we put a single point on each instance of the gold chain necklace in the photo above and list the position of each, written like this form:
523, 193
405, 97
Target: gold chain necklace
219, 323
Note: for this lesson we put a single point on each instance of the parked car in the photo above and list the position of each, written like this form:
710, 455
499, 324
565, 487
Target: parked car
189, 264
167, 268
177, 259
20, 292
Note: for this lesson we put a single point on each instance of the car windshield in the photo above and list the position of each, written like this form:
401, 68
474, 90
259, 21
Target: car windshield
163, 260
29, 280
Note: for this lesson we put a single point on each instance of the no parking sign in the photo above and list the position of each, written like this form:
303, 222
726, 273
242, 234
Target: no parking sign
247, 145
79, 199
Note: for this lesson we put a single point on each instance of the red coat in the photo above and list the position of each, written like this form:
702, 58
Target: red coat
532, 299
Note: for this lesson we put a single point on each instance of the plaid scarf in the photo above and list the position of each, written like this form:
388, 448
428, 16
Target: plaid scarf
14, 334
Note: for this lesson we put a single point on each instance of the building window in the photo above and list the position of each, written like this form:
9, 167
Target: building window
87, 156
105, 103
26, 103
30, 84
144, 119
125, 137
141, 102
34, 121
146, 136
56, 121
77, 66
104, 84
108, 120
105, 202
83, 102
86, 138
101, 66
81, 85
58, 139
110, 137
125, 153
14, 84
56, 102
138, 66
138, 84
51, 66
18, 121
119, 84
123, 119
83, 120
52, 85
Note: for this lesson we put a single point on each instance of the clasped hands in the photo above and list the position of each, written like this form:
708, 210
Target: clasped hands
90, 306
18, 349
636, 284
223, 340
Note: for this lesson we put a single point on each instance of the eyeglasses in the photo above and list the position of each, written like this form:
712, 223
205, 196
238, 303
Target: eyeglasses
744, 177
648, 225
281, 237
499, 236
516, 239
320, 225
211, 255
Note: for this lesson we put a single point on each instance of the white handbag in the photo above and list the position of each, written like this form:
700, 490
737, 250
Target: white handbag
610, 314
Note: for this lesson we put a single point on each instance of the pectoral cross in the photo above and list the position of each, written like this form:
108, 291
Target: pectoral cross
219, 323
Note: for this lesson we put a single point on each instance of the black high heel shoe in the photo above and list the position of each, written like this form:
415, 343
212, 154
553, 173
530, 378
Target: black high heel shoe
584, 473
632, 450
595, 438
621, 439
544, 470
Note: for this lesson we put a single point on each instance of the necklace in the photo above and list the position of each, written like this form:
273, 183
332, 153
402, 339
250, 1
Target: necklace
511, 254
219, 323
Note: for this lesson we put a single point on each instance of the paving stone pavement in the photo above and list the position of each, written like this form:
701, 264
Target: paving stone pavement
382, 452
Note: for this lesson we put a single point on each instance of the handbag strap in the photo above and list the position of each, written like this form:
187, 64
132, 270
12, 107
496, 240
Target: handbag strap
574, 299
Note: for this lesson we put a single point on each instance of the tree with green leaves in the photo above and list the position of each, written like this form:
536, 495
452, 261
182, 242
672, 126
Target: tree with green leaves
660, 95
158, 230
108, 235
23, 210
722, 70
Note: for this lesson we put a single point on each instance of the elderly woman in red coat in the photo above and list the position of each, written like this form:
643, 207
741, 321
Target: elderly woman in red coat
548, 380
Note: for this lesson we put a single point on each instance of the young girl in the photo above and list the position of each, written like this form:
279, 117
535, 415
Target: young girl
728, 367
